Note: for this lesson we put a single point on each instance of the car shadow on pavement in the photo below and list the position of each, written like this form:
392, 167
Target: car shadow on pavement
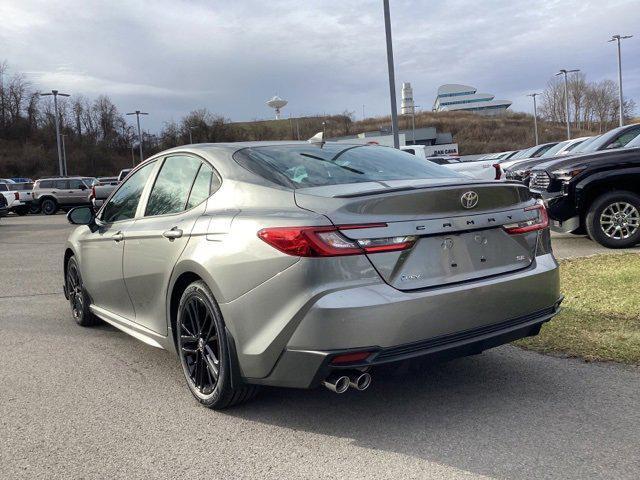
506, 413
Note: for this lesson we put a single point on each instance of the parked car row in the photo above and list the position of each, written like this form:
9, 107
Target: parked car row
589, 185
51, 194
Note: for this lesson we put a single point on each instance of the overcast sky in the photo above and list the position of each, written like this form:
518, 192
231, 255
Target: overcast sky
169, 57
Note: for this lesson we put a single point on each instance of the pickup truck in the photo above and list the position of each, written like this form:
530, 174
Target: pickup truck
101, 191
619, 137
15, 197
594, 192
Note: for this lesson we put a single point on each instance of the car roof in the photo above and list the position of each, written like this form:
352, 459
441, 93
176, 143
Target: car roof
75, 177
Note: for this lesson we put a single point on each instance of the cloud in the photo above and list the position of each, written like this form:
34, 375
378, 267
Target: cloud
170, 57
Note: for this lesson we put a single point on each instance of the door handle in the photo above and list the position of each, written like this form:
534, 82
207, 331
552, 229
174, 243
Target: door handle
175, 232
117, 237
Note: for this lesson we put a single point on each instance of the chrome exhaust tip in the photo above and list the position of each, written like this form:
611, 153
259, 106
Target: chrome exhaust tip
359, 380
337, 383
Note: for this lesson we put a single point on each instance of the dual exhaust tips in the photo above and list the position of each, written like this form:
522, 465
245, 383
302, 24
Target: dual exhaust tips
340, 382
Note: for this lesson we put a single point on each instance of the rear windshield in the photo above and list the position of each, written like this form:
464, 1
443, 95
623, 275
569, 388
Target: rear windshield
300, 166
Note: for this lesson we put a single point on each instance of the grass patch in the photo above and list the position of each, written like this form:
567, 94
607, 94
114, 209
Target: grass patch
601, 311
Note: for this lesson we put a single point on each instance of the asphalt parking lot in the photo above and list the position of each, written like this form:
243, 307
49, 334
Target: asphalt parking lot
95, 403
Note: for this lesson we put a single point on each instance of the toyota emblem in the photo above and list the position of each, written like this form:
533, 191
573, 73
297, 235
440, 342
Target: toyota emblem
469, 199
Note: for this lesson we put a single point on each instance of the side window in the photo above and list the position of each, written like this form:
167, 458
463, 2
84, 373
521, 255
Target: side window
410, 150
76, 184
46, 184
624, 138
205, 182
172, 186
123, 204
61, 184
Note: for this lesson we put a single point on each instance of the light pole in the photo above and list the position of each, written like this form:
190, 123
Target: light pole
55, 94
566, 97
133, 158
535, 115
137, 113
413, 124
392, 79
191, 136
64, 154
618, 38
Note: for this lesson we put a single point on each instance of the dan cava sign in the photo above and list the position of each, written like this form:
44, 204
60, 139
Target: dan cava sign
446, 149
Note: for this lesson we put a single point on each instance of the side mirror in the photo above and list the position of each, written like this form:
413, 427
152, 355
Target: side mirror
83, 186
81, 216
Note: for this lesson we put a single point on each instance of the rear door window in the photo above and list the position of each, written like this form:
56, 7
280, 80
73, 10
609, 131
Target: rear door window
61, 184
173, 185
202, 186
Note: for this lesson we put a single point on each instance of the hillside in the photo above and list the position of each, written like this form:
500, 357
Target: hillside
474, 133
35, 153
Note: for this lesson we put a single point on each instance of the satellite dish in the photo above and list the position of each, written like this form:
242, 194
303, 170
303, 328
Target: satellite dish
277, 103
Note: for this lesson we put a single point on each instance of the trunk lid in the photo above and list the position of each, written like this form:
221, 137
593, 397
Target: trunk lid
454, 243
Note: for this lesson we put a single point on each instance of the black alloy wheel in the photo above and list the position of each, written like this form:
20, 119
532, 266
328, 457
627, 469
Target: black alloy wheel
78, 299
202, 345
49, 206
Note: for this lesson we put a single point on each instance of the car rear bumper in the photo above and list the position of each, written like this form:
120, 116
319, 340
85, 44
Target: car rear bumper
394, 325
308, 368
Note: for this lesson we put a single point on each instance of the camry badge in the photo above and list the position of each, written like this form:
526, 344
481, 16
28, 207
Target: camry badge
469, 199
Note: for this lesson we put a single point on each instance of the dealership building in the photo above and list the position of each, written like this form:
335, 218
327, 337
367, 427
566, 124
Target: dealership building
457, 97
384, 136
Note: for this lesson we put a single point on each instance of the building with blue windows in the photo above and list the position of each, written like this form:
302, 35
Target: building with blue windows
454, 97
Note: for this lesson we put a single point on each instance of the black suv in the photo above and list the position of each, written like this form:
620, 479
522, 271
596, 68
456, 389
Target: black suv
597, 192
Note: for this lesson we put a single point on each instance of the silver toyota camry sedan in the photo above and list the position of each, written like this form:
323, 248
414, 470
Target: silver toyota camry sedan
300, 264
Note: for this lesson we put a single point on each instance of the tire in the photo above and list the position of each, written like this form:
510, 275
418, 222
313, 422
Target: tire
34, 208
613, 219
22, 210
78, 298
203, 348
49, 206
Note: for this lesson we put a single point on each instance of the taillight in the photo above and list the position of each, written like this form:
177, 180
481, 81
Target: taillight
329, 242
531, 225
498, 170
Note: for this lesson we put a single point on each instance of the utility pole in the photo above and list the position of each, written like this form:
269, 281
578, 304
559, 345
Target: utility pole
363, 111
133, 158
137, 113
190, 135
535, 116
392, 79
566, 97
618, 39
64, 154
55, 94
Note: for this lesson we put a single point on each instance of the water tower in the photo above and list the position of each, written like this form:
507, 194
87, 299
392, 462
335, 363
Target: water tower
277, 103
407, 107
